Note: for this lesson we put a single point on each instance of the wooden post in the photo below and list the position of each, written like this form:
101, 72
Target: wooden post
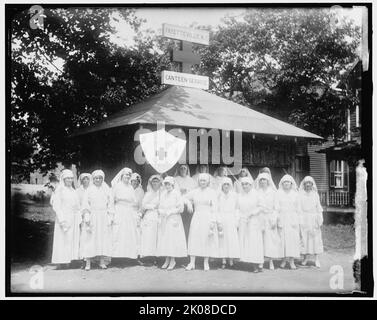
361, 211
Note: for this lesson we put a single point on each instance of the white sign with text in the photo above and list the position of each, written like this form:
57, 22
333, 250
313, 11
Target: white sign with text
184, 79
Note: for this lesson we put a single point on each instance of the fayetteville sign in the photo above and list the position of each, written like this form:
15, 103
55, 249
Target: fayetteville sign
185, 34
185, 57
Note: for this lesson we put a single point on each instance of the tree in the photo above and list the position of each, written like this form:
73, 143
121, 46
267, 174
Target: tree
285, 62
95, 78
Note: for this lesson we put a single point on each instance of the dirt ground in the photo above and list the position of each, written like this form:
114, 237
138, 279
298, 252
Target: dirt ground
32, 231
130, 278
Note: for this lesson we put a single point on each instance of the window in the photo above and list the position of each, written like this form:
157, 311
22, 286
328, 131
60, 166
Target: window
338, 174
300, 164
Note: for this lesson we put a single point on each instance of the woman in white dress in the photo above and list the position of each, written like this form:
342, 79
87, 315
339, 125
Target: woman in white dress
149, 222
243, 173
66, 204
203, 237
171, 241
227, 222
185, 184
311, 220
139, 193
287, 209
85, 180
125, 241
98, 211
250, 225
266, 202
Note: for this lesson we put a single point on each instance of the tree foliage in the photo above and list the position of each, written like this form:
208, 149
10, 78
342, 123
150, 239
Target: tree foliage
70, 74
285, 62
95, 78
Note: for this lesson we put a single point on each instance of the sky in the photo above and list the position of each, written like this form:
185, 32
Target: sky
185, 17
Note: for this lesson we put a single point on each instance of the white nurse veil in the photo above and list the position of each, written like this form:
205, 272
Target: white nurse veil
82, 176
308, 179
265, 175
176, 174
290, 179
118, 176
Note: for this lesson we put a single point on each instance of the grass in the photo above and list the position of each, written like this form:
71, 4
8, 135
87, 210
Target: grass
338, 237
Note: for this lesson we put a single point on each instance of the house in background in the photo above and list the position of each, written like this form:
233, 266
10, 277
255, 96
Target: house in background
332, 164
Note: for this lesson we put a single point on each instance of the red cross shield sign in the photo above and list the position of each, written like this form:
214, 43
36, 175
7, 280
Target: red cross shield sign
162, 150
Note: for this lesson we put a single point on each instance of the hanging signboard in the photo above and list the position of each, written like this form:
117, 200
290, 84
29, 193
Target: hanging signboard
184, 79
185, 57
185, 34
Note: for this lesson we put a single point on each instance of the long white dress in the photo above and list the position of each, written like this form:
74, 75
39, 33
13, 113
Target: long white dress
227, 219
96, 239
203, 236
185, 185
66, 205
250, 228
288, 223
124, 228
171, 241
139, 193
271, 237
80, 193
311, 220
149, 224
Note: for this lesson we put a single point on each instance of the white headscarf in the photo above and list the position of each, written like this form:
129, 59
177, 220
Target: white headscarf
169, 179
204, 176
84, 175
179, 168
249, 180
136, 176
308, 179
119, 175
155, 176
290, 179
265, 175
66, 173
100, 173
248, 174
226, 180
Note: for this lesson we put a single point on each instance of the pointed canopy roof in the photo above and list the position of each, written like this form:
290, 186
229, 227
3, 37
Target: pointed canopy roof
189, 107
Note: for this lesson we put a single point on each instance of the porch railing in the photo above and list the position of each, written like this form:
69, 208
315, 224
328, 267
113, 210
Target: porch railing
335, 198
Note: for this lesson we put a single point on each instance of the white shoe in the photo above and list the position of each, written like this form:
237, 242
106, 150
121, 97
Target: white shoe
206, 267
190, 267
317, 264
165, 265
171, 266
272, 265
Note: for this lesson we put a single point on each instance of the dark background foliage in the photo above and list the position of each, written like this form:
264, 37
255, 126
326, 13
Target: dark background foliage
281, 62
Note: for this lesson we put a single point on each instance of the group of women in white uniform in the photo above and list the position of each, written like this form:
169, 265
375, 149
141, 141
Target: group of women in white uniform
200, 216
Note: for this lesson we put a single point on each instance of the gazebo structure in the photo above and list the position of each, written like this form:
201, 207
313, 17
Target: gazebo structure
114, 142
